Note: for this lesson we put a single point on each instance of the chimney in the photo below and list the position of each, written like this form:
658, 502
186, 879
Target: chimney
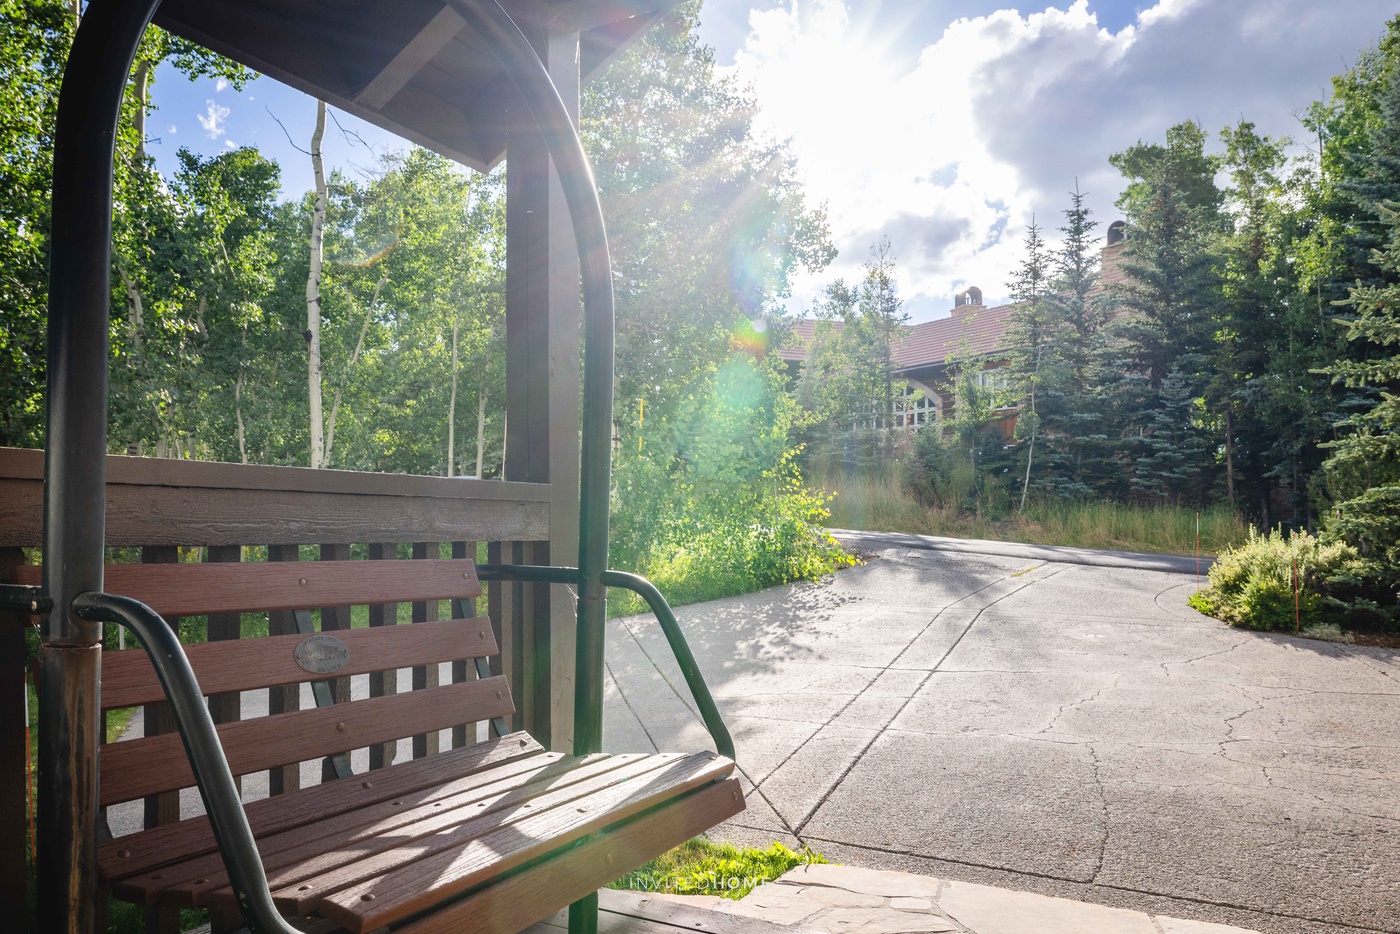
967, 301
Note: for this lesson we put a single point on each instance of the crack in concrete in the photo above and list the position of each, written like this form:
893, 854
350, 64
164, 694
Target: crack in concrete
630, 709
1065, 708
753, 786
1198, 658
806, 818
1103, 813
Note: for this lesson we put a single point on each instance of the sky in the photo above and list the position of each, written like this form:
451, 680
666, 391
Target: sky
943, 125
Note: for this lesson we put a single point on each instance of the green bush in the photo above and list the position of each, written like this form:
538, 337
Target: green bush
709, 500
1253, 585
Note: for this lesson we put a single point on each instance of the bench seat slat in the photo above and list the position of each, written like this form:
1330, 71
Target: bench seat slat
300, 891
291, 857
461, 859
197, 589
175, 883
139, 767
145, 850
128, 679
531, 895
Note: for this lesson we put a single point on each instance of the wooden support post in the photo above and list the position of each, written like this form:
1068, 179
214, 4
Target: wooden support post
542, 379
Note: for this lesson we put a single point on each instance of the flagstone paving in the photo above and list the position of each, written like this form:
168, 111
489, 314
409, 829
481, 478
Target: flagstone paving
850, 900
1064, 729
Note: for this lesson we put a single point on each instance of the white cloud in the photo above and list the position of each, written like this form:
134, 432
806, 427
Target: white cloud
230, 144
173, 130
213, 119
1001, 114
220, 84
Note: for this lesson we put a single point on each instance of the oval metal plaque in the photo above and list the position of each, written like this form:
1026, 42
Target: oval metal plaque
321, 654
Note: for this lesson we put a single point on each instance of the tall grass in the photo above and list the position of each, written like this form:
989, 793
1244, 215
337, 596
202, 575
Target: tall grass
883, 504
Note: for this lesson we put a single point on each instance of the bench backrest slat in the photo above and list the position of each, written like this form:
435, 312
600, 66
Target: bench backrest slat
139, 767
188, 589
248, 664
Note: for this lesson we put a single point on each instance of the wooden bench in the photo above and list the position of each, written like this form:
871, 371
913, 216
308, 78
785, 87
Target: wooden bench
489, 836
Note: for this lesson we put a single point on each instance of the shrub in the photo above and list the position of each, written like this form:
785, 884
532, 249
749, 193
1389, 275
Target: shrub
1252, 585
709, 499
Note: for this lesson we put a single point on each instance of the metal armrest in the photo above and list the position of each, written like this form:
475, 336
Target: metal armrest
644, 588
211, 770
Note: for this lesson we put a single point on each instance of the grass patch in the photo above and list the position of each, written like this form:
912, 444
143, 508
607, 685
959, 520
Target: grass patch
704, 867
885, 505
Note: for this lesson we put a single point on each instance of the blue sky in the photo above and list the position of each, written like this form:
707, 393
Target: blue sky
944, 125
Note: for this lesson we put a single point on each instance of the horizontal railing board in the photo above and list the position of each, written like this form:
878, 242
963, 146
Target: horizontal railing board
189, 516
135, 768
198, 589
28, 464
248, 664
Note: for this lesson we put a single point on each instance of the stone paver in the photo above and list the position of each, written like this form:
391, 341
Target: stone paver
843, 899
1065, 729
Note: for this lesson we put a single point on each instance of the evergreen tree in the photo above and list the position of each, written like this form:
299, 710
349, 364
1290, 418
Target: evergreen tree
1254, 289
1033, 338
1080, 437
1169, 469
1174, 221
1170, 300
1363, 472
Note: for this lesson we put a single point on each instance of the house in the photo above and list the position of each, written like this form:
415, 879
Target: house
972, 330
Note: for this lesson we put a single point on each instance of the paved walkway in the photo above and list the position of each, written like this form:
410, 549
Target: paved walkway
843, 899
1065, 729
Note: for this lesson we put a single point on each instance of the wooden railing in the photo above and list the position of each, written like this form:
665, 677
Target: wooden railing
165, 511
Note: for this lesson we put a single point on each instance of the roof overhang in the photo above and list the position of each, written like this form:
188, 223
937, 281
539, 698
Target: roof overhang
412, 67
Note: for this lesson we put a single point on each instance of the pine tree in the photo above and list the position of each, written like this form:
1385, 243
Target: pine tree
1169, 470
1254, 289
1174, 220
1080, 439
1363, 472
1033, 340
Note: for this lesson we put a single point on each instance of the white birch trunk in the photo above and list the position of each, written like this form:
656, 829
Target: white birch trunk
452, 406
313, 292
480, 428
140, 84
238, 415
354, 358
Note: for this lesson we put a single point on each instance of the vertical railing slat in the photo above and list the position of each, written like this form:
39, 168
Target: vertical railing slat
287, 698
162, 808
382, 683
425, 676
465, 734
335, 618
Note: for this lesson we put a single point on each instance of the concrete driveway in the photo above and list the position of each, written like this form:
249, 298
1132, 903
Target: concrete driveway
1068, 729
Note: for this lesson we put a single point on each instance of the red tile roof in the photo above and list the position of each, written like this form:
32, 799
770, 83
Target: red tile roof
929, 342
